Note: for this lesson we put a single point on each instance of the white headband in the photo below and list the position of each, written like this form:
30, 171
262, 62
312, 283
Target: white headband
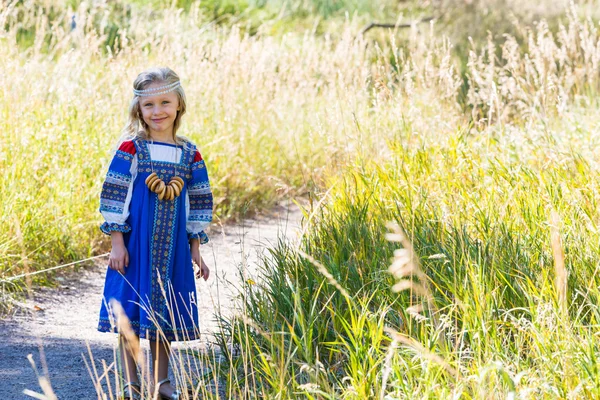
157, 90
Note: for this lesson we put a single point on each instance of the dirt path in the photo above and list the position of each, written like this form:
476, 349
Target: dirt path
62, 322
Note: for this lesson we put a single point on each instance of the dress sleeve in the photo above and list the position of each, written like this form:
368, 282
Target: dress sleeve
199, 201
117, 189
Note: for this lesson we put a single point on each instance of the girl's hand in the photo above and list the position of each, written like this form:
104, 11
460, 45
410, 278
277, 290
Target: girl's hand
119, 257
203, 272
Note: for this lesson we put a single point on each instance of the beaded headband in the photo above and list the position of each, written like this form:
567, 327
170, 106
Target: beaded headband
157, 90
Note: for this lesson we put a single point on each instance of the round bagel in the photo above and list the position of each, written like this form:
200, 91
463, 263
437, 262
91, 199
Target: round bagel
176, 183
161, 194
154, 185
152, 180
151, 176
178, 179
176, 189
160, 186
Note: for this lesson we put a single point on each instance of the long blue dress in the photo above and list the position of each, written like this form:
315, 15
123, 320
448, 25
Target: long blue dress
157, 291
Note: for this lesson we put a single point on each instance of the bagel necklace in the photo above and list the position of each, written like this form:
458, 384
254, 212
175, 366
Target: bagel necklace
165, 191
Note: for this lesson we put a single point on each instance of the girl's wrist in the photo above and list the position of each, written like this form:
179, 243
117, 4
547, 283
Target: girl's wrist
116, 238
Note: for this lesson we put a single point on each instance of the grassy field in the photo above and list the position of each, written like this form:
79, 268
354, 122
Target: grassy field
479, 313
451, 246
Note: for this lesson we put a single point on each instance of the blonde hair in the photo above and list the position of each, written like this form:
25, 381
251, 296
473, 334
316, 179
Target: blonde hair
136, 126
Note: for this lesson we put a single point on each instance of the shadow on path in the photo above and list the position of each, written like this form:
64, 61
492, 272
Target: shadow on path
70, 381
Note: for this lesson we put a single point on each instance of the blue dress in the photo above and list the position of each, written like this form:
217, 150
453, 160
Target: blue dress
157, 291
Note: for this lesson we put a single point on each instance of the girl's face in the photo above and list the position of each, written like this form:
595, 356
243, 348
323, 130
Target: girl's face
159, 112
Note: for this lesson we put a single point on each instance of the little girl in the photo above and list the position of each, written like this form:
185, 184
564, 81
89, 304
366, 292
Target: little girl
156, 202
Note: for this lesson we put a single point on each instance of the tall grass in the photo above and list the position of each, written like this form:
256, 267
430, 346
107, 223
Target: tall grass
478, 213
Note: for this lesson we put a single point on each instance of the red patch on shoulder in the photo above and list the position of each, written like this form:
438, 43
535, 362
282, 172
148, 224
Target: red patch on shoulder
197, 156
128, 147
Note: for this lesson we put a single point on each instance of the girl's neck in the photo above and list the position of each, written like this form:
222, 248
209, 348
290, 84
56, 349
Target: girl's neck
166, 137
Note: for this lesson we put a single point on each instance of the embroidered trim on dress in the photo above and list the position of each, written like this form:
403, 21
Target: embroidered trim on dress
199, 235
109, 227
152, 333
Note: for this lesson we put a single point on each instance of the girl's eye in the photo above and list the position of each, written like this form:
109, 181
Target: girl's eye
165, 102
147, 104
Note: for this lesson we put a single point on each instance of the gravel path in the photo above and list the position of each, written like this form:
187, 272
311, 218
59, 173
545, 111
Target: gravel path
58, 327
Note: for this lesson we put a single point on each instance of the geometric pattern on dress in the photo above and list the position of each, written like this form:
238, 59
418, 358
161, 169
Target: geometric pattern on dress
116, 186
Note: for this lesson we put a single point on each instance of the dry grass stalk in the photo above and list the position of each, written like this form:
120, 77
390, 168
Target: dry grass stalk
92, 371
107, 370
405, 265
44, 384
35, 395
559, 261
422, 351
131, 343
325, 273
387, 367
124, 328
